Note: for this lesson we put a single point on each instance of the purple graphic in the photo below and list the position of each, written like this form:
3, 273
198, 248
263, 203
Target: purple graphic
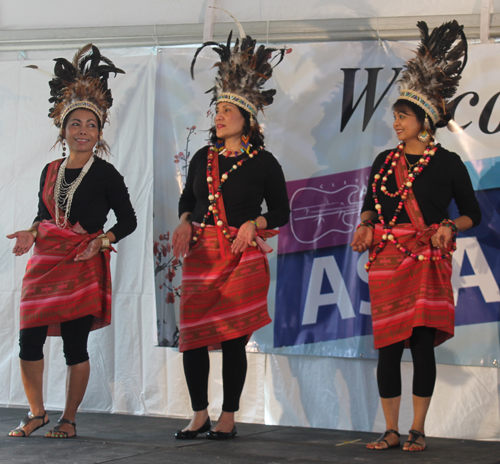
324, 211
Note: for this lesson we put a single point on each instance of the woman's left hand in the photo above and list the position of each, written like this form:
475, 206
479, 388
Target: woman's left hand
442, 239
92, 249
244, 238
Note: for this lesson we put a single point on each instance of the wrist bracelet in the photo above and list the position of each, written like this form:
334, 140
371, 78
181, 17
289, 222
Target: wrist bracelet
449, 223
255, 224
33, 231
105, 242
366, 223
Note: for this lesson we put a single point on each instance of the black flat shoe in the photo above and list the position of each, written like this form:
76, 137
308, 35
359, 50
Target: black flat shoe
213, 435
190, 434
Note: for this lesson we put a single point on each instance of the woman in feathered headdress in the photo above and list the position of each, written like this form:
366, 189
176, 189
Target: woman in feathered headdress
67, 285
406, 226
225, 272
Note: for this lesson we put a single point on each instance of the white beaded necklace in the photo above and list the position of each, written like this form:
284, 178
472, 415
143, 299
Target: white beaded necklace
63, 192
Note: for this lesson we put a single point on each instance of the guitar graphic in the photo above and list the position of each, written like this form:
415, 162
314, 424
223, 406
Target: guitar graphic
324, 211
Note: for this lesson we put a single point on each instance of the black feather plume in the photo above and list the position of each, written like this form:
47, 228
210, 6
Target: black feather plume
436, 69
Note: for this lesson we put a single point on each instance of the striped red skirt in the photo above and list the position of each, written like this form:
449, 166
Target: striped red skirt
58, 289
406, 293
224, 295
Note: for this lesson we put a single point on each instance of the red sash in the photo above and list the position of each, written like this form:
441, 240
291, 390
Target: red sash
224, 295
407, 293
55, 287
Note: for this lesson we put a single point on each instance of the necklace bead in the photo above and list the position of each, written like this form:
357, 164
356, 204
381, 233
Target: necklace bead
64, 192
216, 194
392, 158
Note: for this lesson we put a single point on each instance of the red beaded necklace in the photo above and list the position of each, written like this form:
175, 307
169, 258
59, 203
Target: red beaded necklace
390, 164
215, 194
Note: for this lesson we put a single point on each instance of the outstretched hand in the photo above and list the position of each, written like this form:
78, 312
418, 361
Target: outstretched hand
362, 239
24, 241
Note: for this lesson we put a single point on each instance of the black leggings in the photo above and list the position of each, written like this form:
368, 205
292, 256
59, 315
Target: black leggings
74, 333
424, 365
234, 370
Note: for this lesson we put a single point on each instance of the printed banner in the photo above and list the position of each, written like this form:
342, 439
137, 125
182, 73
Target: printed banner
331, 116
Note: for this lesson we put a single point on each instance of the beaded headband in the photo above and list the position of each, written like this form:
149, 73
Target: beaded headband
420, 101
84, 105
238, 101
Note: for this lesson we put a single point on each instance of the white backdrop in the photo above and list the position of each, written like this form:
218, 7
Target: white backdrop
130, 375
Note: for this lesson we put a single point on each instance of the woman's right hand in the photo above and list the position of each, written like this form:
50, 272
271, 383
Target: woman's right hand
24, 242
181, 238
362, 239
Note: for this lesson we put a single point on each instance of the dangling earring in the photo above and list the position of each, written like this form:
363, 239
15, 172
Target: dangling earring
424, 135
63, 148
99, 145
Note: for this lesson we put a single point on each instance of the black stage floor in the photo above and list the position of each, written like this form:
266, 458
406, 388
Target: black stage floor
120, 439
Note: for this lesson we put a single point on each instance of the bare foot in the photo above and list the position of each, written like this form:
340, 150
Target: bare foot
389, 439
198, 420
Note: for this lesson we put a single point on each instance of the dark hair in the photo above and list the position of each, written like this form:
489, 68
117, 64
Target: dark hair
66, 119
402, 105
253, 130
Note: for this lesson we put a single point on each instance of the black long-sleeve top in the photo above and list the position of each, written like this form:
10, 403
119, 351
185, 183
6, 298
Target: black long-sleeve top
259, 178
443, 179
101, 189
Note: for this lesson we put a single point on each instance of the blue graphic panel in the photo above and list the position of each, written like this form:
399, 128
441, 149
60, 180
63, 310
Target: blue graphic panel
295, 274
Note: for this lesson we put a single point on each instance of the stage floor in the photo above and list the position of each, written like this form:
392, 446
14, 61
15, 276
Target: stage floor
120, 439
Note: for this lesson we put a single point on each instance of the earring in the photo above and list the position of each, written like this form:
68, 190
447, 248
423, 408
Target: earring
63, 148
424, 136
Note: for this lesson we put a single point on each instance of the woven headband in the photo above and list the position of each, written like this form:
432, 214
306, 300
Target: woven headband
420, 101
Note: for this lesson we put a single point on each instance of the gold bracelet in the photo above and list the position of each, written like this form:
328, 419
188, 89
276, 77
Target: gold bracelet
105, 242
33, 231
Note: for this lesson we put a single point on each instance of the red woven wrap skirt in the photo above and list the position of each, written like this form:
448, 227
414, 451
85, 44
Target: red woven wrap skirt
406, 293
58, 289
224, 295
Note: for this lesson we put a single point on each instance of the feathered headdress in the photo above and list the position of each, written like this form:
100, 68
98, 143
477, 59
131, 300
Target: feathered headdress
243, 71
83, 83
431, 78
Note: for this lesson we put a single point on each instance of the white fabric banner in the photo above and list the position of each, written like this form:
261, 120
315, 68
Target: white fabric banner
26, 135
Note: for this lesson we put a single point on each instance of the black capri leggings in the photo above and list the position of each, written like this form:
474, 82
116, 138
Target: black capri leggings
74, 333
424, 365
234, 370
